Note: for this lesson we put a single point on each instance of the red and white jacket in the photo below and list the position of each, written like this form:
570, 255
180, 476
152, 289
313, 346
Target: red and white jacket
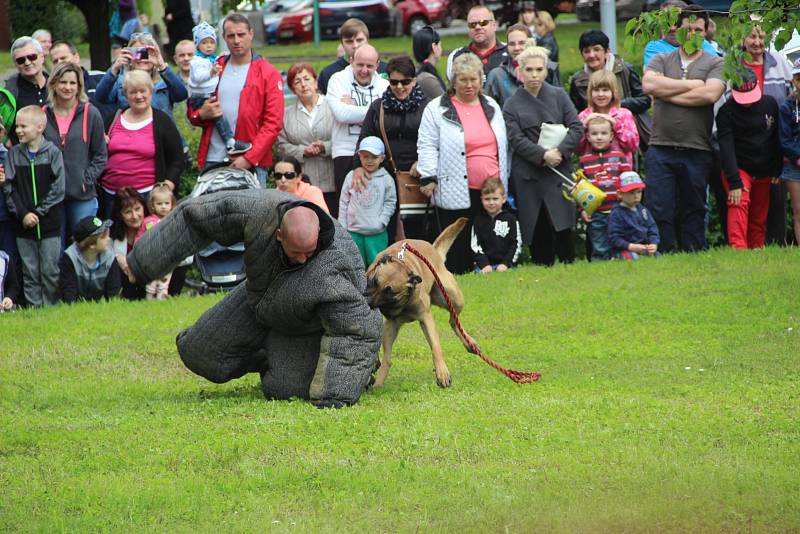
260, 113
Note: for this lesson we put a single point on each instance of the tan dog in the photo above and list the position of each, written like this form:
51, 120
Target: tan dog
403, 288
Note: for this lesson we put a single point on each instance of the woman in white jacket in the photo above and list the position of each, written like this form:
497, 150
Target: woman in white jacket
461, 143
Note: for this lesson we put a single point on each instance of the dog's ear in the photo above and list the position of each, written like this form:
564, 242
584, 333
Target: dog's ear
413, 280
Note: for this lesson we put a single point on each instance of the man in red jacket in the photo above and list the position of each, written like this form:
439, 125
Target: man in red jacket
249, 96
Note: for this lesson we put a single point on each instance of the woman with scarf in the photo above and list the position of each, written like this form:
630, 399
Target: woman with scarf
403, 104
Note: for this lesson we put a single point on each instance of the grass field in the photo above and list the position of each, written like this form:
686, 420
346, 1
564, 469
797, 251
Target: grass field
668, 403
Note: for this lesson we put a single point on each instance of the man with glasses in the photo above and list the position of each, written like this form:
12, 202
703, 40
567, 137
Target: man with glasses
483, 43
29, 85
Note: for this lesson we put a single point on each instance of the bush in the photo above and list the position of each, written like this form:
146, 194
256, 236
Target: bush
62, 19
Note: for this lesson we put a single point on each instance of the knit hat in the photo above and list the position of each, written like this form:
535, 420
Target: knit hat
89, 226
372, 144
202, 31
629, 181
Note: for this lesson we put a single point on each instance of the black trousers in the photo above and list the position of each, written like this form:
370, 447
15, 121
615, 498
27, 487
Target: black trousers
547, 244
776, 217
460, 257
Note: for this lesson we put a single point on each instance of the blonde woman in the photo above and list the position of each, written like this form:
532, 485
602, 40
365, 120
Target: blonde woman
461, 144
76, 127
546, 217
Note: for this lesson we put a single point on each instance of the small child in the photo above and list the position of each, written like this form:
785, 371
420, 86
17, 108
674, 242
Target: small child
632, 230
602, 165
366, 213
203, 81
160, 203
88, 268
751, 158
604, 96
34, 191
496, 238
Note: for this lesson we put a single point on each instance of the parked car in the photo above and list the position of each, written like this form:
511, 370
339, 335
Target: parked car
274, 13
298, 26
713, 5
418, 13
589, 10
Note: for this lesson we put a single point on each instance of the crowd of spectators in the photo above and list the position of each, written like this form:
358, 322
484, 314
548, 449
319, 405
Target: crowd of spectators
87, 152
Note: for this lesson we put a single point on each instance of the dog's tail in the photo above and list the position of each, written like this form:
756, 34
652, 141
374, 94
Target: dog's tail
448, 235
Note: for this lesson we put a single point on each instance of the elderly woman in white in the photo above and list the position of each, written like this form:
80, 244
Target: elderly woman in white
461, 143
306, 133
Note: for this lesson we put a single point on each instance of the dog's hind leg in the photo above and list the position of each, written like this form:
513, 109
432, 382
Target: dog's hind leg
428, 326
457, 299
390, 331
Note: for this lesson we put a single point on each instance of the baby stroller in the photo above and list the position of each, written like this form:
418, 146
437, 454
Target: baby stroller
221, 268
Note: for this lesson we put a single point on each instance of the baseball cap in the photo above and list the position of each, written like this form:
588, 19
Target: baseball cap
796, 68
372, 144
89, 226
747, 91
629, 181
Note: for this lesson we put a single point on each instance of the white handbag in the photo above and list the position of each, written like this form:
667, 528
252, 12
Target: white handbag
552, 135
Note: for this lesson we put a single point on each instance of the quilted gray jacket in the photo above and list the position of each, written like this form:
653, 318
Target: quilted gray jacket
442, 153
323, 297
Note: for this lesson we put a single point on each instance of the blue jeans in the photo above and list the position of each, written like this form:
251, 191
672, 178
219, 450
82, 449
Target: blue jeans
597, 232
676, 181
74, 211
221, 124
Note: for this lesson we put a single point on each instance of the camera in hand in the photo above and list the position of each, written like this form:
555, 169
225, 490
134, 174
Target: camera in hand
140, 53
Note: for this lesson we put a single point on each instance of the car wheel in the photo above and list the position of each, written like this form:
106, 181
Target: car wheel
416, 24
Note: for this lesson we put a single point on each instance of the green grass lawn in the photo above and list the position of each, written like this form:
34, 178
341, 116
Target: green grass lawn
668, 403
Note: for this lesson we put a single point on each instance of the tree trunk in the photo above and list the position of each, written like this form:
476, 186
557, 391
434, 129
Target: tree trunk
5, 25
96, 15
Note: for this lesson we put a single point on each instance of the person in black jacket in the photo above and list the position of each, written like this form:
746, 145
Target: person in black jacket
750, 151
496, 240
178, 16
402, 104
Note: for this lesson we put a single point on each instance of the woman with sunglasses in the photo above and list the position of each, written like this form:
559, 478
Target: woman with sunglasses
142, 54
402, 105
307, 126
427, 46
76, 127
288, 175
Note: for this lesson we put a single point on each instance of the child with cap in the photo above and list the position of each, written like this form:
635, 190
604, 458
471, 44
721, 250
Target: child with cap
89, 269
602, 164
203, 80
632, 231
789, 134
366, 213
750, 153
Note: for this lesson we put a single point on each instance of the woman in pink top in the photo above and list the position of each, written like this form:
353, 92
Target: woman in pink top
288, 176
144, 146
603, 95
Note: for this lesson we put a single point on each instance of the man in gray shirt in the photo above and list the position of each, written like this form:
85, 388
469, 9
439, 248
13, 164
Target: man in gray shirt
677, 164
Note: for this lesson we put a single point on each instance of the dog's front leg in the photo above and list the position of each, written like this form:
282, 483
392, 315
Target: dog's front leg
390, 330
428, 326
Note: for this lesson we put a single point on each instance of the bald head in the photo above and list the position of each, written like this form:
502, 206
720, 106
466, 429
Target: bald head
299, 234
365, 63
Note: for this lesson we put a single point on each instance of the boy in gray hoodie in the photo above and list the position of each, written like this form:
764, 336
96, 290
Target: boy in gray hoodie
366, 213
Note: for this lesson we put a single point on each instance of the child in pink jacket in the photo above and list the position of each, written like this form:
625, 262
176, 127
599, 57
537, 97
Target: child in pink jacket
603, 95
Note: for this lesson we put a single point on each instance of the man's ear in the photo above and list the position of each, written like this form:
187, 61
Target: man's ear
278, 235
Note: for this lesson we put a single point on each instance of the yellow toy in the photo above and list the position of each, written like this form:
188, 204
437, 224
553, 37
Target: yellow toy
580, 190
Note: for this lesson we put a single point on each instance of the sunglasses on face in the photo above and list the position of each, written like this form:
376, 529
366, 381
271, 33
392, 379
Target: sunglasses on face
24, 59
481, 23
405, 82
281, 175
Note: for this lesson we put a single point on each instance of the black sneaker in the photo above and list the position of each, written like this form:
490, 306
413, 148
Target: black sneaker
239, 148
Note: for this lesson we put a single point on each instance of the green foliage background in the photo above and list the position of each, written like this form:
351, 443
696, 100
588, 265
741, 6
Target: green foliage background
63, 19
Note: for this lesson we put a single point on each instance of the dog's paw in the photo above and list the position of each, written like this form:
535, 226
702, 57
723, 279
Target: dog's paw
443, 380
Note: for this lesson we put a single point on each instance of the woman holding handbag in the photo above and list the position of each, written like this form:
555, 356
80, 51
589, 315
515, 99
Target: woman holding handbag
395, 118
